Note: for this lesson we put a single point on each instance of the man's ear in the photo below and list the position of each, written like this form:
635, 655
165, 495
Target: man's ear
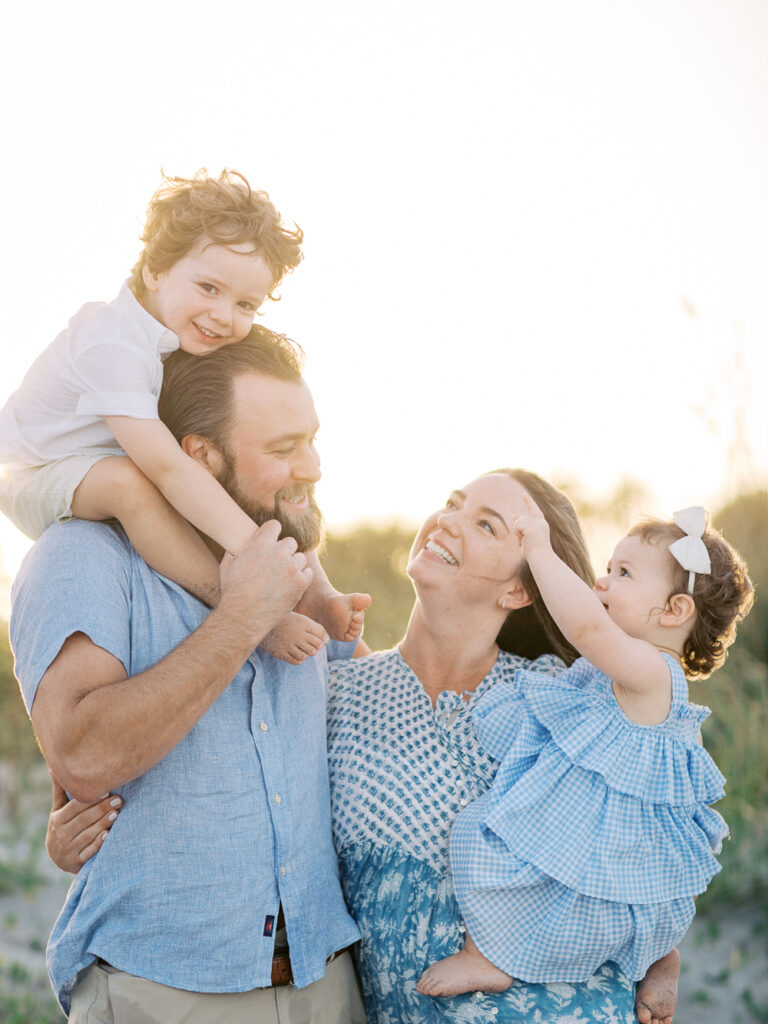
203, 451
515, 596
680, 611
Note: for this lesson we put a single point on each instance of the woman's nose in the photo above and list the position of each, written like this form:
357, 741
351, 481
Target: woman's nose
447, 521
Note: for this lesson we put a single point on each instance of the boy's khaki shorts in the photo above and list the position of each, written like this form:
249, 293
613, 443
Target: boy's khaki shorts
34, 497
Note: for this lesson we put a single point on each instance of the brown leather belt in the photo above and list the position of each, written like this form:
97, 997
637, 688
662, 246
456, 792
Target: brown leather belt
282, 972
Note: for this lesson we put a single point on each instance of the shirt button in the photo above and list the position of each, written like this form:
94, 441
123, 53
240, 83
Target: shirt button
463, 802
282, 869
454, 763
278, 798
494, 1010
263, 726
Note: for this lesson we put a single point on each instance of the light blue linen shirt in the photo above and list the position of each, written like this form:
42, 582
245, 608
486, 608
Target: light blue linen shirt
234, 822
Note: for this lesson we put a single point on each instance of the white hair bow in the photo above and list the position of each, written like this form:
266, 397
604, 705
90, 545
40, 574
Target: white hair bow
690, 551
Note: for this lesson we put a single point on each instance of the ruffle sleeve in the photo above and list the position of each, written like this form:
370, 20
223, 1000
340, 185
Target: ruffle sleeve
610, 808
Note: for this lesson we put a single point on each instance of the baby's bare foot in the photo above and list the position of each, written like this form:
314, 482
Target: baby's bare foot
656, 995
341, 614
463, 972
295, 639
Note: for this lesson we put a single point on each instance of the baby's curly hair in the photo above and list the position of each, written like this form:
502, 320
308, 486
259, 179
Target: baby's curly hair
722, 597
226, 210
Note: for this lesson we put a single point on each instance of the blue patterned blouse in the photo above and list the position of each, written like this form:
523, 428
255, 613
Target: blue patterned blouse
401, 770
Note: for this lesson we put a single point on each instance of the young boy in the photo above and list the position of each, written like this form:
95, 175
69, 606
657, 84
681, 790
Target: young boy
214, 250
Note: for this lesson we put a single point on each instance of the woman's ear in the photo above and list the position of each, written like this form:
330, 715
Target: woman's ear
515, 596
680, 611
203, 451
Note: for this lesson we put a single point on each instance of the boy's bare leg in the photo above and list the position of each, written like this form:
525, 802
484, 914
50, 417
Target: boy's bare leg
115, 488
467, 971
342, 615
656, 994
295, 639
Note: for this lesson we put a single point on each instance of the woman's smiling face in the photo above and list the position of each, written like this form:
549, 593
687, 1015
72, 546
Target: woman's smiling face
469, 543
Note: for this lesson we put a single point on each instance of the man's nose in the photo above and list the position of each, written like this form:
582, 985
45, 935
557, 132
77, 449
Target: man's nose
307, 467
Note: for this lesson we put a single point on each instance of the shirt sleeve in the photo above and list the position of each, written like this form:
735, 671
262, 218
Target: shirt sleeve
340, 650
76, 579
118, 380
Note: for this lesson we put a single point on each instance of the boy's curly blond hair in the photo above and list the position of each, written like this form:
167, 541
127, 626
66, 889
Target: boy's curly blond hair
722, 597
226, 210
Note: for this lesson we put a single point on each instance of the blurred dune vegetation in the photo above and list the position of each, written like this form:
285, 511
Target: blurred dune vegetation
374, 559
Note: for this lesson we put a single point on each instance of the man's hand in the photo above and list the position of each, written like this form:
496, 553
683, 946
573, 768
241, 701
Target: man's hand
264, 582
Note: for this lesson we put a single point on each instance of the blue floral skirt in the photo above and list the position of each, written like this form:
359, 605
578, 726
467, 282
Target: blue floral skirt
409, 918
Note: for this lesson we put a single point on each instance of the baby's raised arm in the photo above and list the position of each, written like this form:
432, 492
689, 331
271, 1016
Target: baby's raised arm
635, 664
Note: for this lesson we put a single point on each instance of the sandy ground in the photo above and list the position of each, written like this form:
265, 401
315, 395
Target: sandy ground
724, 977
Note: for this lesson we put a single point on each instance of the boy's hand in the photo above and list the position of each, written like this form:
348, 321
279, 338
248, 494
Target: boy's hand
531, 528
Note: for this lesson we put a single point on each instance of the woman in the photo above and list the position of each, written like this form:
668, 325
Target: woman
404, 759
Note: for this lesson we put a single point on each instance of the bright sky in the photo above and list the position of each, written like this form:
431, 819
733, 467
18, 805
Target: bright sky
536, 233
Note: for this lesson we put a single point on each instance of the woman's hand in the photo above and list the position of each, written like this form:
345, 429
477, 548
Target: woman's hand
76, 831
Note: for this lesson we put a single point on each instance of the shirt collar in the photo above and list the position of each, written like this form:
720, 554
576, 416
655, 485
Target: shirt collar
162, 340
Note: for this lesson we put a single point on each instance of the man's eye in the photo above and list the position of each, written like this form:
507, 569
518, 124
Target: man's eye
485, 525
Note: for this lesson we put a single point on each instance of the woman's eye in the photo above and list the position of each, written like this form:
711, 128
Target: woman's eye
247, 307
209, 288
450, 504
485, 525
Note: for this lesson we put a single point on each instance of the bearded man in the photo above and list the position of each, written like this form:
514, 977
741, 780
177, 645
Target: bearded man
217, 749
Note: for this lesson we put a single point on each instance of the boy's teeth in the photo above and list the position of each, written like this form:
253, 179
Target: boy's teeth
208, 334
440, 551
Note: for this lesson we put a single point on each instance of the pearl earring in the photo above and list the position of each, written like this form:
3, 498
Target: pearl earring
504, 602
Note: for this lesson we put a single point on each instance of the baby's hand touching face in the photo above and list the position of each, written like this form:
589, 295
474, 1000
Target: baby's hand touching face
531, 527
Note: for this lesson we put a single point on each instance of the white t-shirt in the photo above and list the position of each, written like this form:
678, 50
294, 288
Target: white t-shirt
107, 362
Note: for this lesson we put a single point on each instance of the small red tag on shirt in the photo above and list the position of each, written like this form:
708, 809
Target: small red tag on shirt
269, 925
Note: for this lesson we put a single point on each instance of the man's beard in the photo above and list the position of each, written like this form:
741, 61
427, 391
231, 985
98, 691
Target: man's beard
306, 529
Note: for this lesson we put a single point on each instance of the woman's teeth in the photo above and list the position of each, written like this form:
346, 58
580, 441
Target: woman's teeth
440, 551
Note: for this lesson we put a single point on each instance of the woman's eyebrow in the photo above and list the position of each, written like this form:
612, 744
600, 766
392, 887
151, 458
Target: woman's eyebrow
497, 515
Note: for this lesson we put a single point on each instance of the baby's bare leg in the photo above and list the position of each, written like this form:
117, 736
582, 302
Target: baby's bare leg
115, 488
467, 971
656, 995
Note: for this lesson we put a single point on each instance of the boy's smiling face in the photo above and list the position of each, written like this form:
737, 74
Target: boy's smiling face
210, 296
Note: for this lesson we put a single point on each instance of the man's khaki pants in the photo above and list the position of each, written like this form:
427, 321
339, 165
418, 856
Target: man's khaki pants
105, 995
